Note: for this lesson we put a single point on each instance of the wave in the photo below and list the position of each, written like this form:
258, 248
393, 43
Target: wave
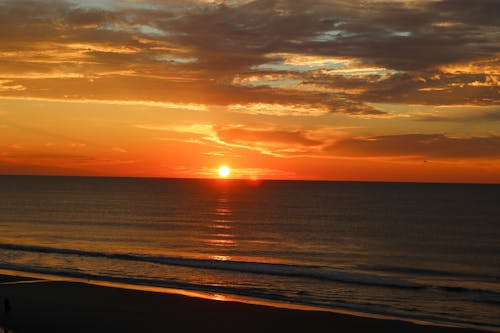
287, 270
304, 271
253, 292
431, 272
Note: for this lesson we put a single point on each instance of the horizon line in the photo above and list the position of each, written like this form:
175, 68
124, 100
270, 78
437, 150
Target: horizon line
255, 180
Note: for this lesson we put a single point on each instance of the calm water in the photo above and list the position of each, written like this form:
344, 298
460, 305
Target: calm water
415, 251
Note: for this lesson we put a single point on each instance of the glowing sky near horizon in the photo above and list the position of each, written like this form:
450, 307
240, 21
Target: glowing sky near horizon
283, 89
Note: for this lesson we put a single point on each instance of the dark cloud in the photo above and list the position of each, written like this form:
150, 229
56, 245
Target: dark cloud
419, 145
481, 12
481, 116
434, 88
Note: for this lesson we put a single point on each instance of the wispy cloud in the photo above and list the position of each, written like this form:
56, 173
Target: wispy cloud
279, 109
166, 105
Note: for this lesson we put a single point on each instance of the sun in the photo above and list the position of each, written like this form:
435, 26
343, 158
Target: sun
224, 171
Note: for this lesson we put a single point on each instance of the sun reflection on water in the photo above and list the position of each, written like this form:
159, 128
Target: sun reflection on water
221, 228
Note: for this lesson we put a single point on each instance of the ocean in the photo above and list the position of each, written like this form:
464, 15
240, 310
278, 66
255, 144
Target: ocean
413, 251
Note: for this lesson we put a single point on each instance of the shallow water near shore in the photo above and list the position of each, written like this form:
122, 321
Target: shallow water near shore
425, 252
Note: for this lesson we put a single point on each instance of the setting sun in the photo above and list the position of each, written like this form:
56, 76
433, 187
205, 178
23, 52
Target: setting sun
224, 171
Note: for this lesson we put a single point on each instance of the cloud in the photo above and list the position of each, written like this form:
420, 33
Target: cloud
339, 55
119, 150
487, 115
282, 143
6, 85
249, 135
279, 109
435, 88
331, 142
437, 146
166, 105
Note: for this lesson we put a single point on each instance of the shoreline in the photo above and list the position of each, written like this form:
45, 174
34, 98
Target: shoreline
59, 304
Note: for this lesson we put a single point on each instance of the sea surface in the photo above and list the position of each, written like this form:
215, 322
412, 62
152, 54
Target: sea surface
426, 252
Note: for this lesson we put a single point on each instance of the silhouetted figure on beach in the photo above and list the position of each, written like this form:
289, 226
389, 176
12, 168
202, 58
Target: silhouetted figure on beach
6, 307
6, 310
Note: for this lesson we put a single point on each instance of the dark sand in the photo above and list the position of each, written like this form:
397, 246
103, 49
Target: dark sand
58, 306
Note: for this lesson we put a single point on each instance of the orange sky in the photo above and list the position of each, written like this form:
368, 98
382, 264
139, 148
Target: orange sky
335, 90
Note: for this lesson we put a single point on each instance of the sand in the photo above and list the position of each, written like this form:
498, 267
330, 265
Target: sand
65, 306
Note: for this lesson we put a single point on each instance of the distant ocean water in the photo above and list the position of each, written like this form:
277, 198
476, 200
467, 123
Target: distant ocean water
427, 252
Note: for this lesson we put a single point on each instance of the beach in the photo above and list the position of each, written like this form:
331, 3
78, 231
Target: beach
65, 306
